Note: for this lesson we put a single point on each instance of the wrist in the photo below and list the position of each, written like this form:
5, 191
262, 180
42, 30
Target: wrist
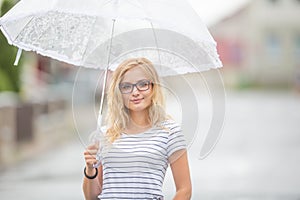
90, 170
90, 173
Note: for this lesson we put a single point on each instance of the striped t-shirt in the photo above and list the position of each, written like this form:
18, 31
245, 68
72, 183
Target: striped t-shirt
134, 165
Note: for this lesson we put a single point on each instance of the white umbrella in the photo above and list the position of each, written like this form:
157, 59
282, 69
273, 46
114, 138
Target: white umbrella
78, 32
100, 33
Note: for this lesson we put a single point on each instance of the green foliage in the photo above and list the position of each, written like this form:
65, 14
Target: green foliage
6, 5
9, 74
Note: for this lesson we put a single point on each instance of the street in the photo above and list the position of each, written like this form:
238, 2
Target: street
257, 157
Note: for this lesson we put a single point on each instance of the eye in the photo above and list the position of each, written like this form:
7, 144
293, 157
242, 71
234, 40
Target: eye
143, 84
125, 86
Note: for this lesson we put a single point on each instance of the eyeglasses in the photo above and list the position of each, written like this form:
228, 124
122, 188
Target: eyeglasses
141, 85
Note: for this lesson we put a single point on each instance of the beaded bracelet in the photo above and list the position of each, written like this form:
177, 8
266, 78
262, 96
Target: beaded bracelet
90, 177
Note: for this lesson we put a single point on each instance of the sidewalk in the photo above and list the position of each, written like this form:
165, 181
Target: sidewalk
56, 174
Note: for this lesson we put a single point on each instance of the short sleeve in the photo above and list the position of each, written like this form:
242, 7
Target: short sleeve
176, 140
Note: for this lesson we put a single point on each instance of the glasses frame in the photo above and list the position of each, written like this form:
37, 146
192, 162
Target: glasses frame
136, 86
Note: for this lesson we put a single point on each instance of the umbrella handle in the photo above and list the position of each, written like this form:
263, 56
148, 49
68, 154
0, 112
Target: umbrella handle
99, 121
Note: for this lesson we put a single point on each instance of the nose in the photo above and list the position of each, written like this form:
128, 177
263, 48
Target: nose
135, 91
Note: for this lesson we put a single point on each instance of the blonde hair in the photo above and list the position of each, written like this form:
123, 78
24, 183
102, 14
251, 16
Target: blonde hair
117, 116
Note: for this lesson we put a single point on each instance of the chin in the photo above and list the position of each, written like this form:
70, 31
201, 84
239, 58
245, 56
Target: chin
138, 108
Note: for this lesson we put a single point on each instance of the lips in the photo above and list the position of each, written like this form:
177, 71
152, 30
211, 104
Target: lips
136, 101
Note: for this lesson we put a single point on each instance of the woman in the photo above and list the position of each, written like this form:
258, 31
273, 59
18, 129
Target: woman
143, 141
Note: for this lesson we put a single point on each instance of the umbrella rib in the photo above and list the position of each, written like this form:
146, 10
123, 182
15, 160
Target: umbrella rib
156, 42
135, 5
23, 28
41, 35
103, 4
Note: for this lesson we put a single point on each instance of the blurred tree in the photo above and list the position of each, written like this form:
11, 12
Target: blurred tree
9, 74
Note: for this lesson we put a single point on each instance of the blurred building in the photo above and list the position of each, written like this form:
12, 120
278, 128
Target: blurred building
260, 44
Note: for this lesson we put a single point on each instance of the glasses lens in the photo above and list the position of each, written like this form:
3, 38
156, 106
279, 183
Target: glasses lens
128, 87
143, 85
125, 87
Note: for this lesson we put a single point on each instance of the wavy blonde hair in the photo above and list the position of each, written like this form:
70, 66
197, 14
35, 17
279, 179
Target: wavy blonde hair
118, 116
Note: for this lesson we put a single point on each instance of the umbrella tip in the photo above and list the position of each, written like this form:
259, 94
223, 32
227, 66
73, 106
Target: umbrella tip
19, 53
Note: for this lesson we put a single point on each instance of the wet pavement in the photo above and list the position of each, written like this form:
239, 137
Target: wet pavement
258, 157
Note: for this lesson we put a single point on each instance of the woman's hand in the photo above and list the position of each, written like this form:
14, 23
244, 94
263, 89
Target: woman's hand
92, 187
90, 155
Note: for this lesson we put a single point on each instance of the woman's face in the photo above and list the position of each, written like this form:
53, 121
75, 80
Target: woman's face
138, 99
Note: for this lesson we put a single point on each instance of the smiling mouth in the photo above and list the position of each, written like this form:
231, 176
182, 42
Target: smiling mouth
136, 100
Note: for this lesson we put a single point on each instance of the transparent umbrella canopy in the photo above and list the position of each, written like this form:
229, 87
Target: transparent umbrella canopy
101, 33
79, 32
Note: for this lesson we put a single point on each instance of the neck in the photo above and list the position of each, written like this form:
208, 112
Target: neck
139, 120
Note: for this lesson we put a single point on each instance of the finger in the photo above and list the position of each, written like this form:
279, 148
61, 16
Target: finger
92, 146
91, 161
90, 152
90, 156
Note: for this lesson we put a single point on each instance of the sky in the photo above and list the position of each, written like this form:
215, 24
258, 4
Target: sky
212, 11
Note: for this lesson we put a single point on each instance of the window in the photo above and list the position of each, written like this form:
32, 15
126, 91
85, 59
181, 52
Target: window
273, 49
297, 49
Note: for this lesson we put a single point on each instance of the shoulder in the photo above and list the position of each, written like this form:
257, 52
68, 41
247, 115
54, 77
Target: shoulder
171, 126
